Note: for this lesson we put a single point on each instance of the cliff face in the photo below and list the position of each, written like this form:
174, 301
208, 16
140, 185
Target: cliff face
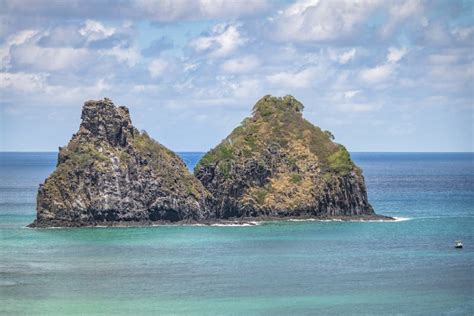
278, 164
110, 172
275, 164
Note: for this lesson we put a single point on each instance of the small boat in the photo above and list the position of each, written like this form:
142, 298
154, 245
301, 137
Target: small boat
458, 244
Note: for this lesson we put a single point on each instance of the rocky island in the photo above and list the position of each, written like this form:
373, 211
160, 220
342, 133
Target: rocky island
276, 165
111, 173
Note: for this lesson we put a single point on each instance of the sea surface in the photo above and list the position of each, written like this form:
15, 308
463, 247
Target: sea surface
275, 268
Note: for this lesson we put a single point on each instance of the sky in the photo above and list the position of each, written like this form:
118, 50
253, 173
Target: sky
380, 75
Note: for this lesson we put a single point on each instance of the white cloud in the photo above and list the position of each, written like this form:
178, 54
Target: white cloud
173, 10
342, 58
317, 20
130, 55
49, 59
14, 39
399, 11
396, 54
94, 30
157, 67
301, 79
23, 82
77, 94
352, 93
222, 40
325, 20
249, 88
146, 88
240, 65
384, 71
376, 74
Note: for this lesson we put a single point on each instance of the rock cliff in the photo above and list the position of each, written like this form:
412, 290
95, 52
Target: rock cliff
111, 173
277, 164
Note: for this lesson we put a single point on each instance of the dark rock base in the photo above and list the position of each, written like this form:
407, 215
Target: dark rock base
230, 221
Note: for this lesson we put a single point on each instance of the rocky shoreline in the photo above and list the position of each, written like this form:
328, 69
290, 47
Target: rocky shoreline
248, 221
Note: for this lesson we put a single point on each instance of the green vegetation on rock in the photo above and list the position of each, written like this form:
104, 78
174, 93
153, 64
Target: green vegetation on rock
281, 161
340, 161
109, 172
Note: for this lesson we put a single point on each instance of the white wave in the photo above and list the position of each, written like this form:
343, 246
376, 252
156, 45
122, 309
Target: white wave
396, 219
171, 225
302, 220
236, 224
401, 219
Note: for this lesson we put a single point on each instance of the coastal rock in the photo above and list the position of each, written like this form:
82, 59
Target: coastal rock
277, 164
111, 173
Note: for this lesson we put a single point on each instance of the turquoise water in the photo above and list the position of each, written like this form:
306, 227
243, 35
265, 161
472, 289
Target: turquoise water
279, 268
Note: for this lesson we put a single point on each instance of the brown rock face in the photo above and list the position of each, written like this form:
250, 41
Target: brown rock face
277, 164
111, 173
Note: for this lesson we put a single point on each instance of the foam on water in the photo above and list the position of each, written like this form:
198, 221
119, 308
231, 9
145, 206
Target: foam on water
401, 219
237, 224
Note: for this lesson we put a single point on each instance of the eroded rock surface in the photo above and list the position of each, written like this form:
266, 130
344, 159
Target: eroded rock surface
277, 164
111, 173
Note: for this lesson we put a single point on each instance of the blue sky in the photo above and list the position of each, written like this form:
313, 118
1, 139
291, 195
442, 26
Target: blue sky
381, 75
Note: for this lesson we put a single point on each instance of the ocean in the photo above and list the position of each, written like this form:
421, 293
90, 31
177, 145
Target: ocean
275, 268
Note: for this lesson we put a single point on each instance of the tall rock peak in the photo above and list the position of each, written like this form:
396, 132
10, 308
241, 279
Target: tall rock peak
270, 104
109, 173
103, 120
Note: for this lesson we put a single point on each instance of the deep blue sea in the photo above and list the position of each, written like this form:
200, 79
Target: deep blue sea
275, 268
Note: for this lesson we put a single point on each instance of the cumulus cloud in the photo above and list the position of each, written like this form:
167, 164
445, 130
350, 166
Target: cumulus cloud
70, 47
69, 95
222, 40
22, 82
130, 55
344, 57
398, 12
244, 89
301, 79
13, 40
396, 54
160, 11
376, 74
325, 20
94, 30
157, 67
48, 59
383, 72
319, 20
240, 65
352, 93
173, 10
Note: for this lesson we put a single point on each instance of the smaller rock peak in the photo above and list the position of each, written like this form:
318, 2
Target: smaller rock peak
105, 121
270, 104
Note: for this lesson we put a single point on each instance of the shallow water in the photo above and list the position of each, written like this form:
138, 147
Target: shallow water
275, 268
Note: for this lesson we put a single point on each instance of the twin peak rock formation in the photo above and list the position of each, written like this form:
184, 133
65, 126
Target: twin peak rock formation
274, 165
